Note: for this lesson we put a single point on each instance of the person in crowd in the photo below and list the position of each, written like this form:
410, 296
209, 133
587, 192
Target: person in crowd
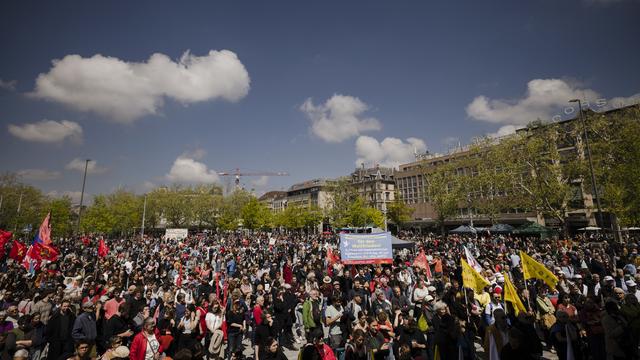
145, 345
208, 287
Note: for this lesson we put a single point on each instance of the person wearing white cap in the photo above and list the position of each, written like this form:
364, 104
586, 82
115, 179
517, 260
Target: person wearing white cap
582, 288
632, 288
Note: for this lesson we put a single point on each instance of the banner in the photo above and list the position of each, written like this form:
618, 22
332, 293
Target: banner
511, 295
471, 260
533, 269
366, 248
176, 234
471, 279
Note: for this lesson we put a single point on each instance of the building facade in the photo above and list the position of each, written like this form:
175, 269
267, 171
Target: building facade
308, 194
412, 187
276, 201
375, 185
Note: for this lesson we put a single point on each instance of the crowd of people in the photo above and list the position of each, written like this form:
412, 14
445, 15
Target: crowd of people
234, 295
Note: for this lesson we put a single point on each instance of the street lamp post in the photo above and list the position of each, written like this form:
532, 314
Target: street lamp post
84, 181
586, 143
144, 214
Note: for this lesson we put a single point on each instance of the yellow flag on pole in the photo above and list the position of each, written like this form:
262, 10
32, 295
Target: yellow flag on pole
471, 279
511, 295
534, 270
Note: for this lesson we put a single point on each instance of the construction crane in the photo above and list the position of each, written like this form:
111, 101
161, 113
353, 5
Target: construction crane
237, 174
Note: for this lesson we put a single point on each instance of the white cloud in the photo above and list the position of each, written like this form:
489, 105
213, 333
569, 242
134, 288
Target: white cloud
618, 102
125, 91
38, 174
504, 131
8, 84
543, 97
260, 182
73, 195
339, 118
78, 164
48, 131
390, 152
187, 170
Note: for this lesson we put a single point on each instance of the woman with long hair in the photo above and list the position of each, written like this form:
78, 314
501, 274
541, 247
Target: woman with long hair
214, 319
272, 350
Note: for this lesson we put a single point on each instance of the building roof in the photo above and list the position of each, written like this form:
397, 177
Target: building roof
271, 195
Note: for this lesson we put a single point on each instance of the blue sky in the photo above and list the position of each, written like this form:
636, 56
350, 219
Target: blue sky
310, 88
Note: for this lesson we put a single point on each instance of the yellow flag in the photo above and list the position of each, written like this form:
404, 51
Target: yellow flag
471, 279
511, 295
535, 270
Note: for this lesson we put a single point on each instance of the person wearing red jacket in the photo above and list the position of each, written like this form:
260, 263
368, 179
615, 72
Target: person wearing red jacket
146, 344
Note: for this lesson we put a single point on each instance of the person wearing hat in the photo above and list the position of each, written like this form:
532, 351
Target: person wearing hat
583, 289
120, 353
495, 303
632, 288
21, 354
607, 289
84, 327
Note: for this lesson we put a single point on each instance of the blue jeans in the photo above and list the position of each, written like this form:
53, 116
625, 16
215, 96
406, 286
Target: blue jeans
234, 343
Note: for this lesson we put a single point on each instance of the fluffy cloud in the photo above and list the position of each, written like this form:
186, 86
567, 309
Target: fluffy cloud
618, 102
260, 182
8, 85
73, 195
38, 174
339, 118
504, 131
125, 91
390, 152
186, 169
77, 164
48, 131
543, 97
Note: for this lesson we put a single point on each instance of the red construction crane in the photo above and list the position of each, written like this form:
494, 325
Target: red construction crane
237, 173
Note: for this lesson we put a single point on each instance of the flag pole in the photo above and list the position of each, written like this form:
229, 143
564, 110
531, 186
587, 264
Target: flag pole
84, 181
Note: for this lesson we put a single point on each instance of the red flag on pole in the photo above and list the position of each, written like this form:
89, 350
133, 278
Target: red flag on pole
421, 262
46, 252
103, 250
4, 239
179, 279
31, 261
18, 251
44, 233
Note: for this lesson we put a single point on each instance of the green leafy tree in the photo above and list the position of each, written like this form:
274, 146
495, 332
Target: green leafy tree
98, 217
255, 215
446, 190
230, 214
398, 212
61, 225
342, 196
615, 145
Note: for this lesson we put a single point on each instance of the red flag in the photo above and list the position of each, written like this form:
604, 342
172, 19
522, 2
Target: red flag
18, 251
422, 262
44, 234
46, 252
179, 279
103, 250
4, 239
85, 240
331, 259
31, 261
